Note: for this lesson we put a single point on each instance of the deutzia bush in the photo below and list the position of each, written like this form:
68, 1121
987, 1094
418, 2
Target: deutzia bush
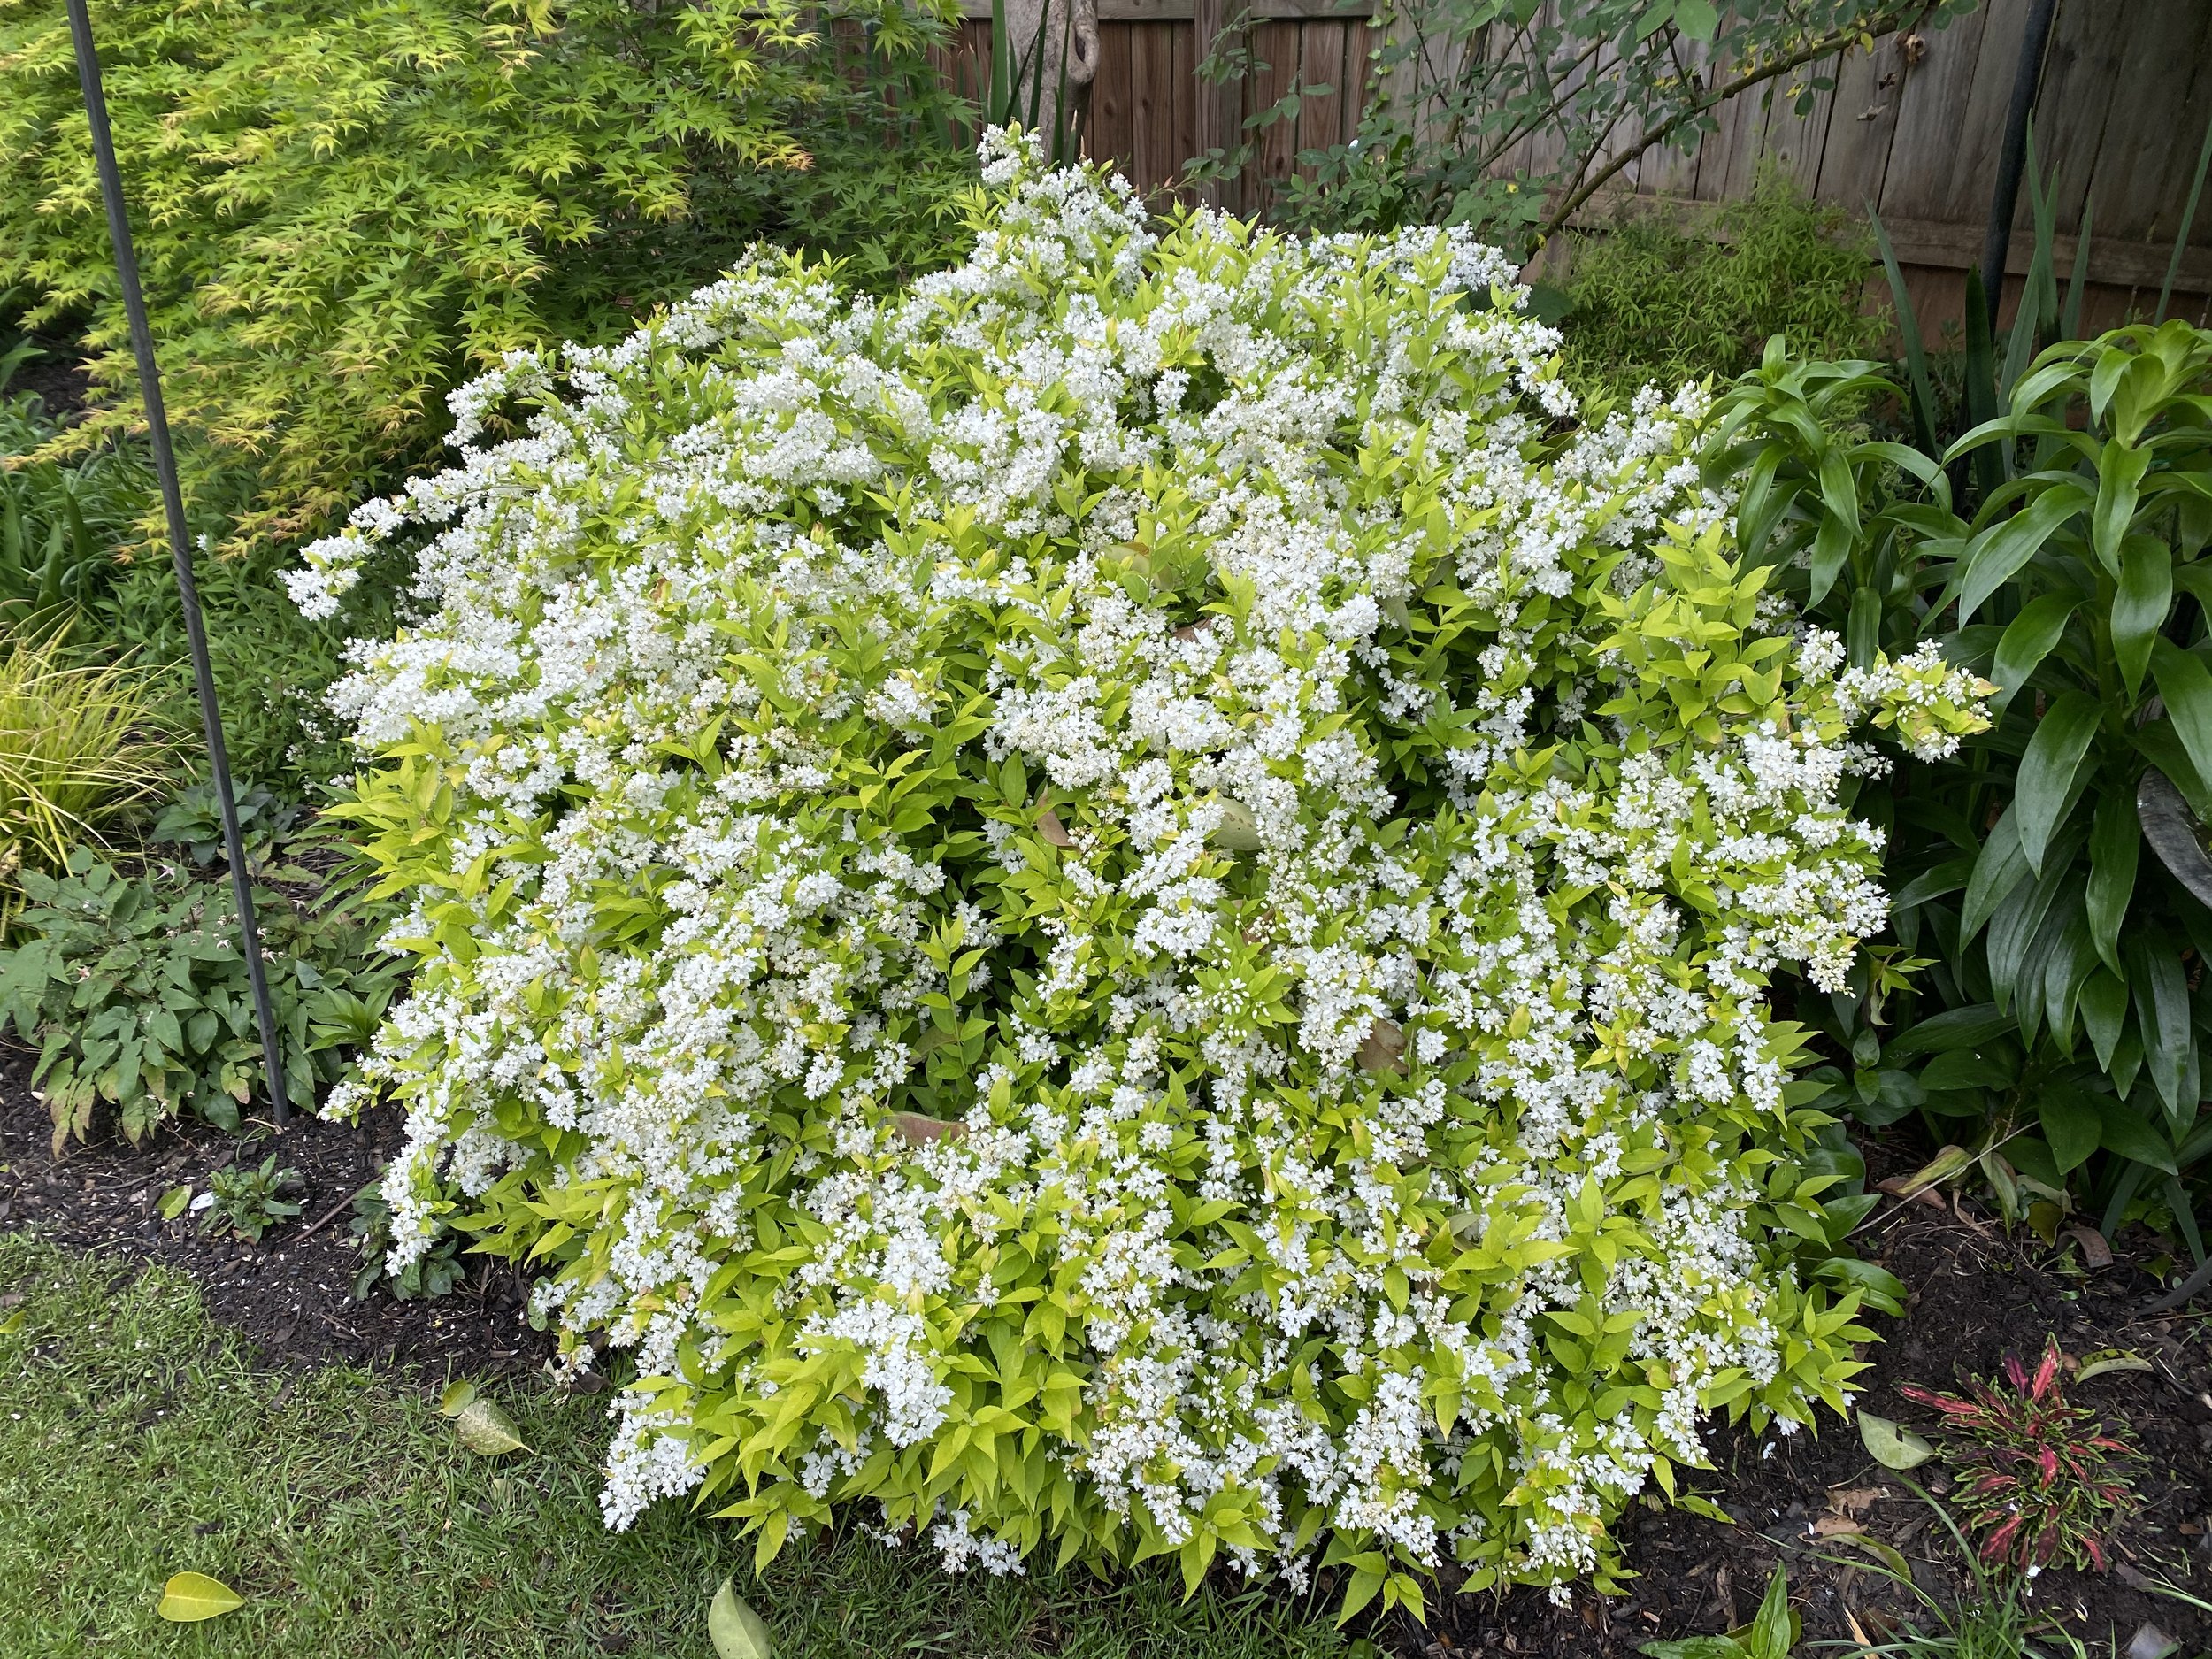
1125, 903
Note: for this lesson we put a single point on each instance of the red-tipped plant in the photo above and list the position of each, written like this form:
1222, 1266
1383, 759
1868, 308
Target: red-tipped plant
2039, 1479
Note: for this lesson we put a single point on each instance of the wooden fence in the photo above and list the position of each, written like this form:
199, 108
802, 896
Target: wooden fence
2126, 92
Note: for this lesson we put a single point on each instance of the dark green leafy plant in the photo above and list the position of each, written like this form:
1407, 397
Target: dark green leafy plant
2039, 1004
59, 525
344, 206
193, 822
433, 1273
131, 986
2040, 1478
1654, 301
250, 1200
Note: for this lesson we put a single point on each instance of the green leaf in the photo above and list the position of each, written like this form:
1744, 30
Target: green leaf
1999, 868
486, 1430
1695, 1647
2120, 468
455, 1397
1772, 1634
190, 1597
173, 1203
736, 1631
2162, 1014
2104, 1009
2071, 1123
2047, 770
2139, 608
2131, 1135
2027, 640
1993, 557
2116, 842
1891, 1445
2186, 686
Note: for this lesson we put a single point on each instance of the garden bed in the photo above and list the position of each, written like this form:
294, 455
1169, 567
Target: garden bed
1977, 1294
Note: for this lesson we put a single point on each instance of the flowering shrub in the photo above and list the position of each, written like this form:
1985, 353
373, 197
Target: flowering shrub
1125, 902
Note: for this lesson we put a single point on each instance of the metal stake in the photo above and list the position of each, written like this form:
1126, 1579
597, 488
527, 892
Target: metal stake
96, 111
2027, 76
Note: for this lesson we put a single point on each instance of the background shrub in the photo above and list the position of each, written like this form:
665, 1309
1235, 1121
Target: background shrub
344, 205
1653, 303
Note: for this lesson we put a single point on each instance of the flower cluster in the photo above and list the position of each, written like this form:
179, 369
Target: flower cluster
1124, 902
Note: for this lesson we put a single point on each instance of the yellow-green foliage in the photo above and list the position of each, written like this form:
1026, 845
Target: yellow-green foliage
78, 747
1655, 301
343, 205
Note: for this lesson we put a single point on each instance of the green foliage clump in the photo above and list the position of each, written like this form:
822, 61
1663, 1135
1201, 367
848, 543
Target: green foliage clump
132, 986
2040, 1006
59, 525
1656, 303
1122, 907
342, 206
247, 1200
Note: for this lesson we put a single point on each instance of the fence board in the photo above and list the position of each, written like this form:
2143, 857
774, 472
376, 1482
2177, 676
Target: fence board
1933, 102
2126, 89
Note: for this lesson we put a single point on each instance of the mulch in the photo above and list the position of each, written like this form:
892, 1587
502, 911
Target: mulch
290, 1296
1977, 1294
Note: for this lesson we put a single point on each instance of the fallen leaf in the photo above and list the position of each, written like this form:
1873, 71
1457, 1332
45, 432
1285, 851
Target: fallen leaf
1239, 832
916, 1130
189, 1597
1383, 1049
1049, 827
2094, 1250
2109, 1359
172, 1202
1948, 1162
13, 1323
486, 1430
1890, 1445
1836, 1526
1887, 1554
1855, 1500
738, 1632
456, 1397
2150, 1642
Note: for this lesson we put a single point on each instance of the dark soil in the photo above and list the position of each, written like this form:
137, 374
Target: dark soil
291, 1296
55, 376
1976, 1295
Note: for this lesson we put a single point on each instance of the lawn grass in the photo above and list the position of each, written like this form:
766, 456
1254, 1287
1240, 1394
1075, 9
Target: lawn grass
136, 1441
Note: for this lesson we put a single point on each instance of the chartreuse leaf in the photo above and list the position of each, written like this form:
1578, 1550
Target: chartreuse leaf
736, 1631
190, 1597
1891, 1445
2048, 770
486, 1430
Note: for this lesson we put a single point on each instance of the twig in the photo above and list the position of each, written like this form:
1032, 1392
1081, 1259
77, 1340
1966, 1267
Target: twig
326, 1218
